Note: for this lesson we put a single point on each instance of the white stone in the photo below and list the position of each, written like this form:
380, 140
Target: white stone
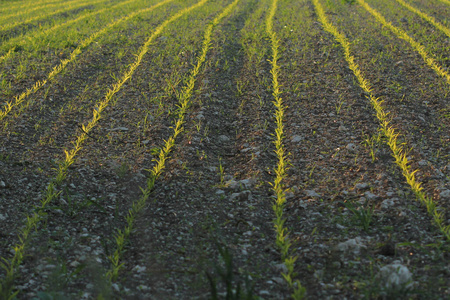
395, 276
311, 193
445, 194
223, 138
119, 129
351, 147
423, 162
361, 186
370, 196
296, 139
387, 203
139, 269
351, 246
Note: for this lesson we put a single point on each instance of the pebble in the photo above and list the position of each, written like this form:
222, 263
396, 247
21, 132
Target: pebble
139, 269
119, 129
351, 147
395, 276
361, 186
370, 196
296, 139
352, 246
2, 217
2, 184
423, 162
387, 203
311, 193
223, 138
445, 194
278, 280
243, 196
281, 268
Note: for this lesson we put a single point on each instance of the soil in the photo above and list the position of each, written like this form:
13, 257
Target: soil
212, 207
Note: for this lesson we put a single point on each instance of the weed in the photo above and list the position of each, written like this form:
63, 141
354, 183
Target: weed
221, 173
362, 213
225, 274
123, 169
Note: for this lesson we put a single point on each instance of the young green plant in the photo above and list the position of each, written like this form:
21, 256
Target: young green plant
283, 240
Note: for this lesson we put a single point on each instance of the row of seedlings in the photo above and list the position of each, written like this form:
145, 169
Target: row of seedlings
52, 191
115, 149
426, 17
29, 40
417, 99
399, 151
433, 63
430, 61
8, 6
283, 240
28, 9
185, 102
8, 29
83, 44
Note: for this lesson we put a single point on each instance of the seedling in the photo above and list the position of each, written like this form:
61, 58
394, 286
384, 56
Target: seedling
363, 213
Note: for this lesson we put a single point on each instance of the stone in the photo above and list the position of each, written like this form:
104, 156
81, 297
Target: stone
395, 276
223, 138
311, 193
388, 203
423, 162
243, 196
296, 139
139, 269
352, 246
351, 147
119, 129
370, 196
445, 194
246, 183
361, 186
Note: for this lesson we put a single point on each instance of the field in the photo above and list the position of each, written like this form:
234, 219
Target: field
235, 149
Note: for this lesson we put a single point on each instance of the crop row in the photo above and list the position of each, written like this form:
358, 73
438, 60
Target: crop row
51, 192
392, 135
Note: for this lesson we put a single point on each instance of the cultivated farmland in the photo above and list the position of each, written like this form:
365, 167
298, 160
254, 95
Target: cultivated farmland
235, 149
